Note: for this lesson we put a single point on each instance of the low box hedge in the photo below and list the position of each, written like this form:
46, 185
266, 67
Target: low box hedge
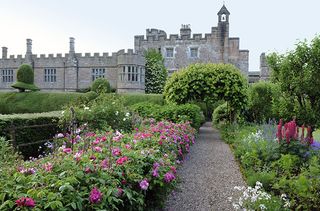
23, 129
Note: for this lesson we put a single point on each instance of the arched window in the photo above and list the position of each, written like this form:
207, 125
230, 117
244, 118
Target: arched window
223, 17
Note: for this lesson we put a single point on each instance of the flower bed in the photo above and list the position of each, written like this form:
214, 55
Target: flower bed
288, 164
106, 170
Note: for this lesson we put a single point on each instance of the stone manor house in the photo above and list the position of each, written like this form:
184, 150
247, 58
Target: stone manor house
126, 70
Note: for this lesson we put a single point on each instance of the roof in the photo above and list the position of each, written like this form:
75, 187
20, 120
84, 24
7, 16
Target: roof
223, 10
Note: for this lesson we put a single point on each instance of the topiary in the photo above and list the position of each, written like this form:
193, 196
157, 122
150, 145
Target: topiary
101, 85
25, 79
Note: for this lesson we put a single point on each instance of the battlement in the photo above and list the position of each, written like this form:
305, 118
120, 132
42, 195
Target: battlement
127, 52
172, 37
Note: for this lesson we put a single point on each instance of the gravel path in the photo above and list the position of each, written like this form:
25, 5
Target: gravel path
207, 176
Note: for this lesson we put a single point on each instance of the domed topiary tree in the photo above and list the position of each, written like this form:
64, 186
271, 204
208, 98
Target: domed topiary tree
25, 79
101, 85
208, 83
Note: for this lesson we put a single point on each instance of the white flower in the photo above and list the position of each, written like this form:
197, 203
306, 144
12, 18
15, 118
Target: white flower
262, 207
124, 119
127, 114
86, 108
62, 112
117, 112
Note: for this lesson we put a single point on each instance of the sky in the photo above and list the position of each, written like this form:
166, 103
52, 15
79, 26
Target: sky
110, 25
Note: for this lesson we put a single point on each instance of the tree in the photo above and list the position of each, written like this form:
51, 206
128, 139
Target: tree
297, 72
208, 83
156, 73
25, 79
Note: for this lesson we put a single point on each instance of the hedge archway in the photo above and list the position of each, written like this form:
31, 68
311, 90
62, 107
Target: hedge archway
208, 83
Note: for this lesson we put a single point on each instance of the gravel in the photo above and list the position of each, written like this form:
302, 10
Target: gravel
208, 176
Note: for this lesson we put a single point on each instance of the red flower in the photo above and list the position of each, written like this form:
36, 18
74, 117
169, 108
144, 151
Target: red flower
121, 160
25, 202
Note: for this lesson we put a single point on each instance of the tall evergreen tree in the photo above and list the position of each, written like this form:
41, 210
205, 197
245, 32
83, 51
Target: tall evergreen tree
156, 73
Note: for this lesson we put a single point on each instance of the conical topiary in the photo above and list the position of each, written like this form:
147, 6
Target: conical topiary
25, 79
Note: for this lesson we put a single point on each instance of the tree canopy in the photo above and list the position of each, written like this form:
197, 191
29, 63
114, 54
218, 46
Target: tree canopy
208, 83
298, 75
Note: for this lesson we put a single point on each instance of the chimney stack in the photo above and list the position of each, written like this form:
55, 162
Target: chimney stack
29, 46
4, 52
71, 46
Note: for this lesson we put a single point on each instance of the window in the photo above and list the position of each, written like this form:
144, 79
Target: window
194, 52
123, 73
98, 73
169, 52
50, 75
223, 17
7, 75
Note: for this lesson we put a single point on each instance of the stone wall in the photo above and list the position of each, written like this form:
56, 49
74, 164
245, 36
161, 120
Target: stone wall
74, 71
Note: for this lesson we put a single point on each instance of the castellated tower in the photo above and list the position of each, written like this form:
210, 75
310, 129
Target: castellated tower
180, 50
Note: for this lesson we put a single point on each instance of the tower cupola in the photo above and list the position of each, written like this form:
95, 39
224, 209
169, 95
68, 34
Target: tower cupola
223, 15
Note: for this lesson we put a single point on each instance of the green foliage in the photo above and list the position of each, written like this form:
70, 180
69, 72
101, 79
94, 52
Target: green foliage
101, 85
292, 168
102, 112
133, 98
220, 114
174, 113
298, 73
64, 179
8, 156
261, 96
208, 83
37, 102
156, 74
28, 135
25, 79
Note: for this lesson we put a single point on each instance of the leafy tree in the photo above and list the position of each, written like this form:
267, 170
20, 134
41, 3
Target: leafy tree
208, 83
297, 73
25, 79
156, 73
261, 96
101, 85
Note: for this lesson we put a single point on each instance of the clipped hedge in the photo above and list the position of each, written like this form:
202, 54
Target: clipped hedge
29, 135
174, 113
101, 85
37, 102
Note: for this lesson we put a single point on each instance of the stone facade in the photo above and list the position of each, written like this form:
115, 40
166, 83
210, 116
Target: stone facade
181, 50
74, 71
126, 70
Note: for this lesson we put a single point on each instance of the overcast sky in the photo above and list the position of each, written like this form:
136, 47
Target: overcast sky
110, 25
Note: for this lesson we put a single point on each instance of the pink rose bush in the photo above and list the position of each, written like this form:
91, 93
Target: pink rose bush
108, 170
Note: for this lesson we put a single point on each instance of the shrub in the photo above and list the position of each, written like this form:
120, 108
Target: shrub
103, 171
208, 83
171, 112
133, 98
8, 156
25, 79
101, 85
102, 112
220, 114
261, 96
29, 135
156, 73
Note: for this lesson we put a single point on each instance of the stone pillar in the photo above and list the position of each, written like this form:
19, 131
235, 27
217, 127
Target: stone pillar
29, 46
4, 52
71, 46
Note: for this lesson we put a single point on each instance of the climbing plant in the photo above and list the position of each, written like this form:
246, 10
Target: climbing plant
156, 73
208, 83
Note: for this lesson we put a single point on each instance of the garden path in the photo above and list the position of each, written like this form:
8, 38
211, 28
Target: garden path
208, 175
